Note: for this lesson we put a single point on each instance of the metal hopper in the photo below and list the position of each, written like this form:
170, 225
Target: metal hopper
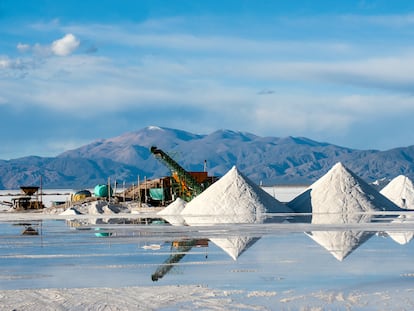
29, 190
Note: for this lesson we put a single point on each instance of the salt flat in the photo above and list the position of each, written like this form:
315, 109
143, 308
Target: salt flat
68, 266
344, 251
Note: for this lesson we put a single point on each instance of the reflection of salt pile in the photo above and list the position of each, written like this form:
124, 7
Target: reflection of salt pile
402, 237
400, 190
232, 199
341, 197
234, 246
172, 212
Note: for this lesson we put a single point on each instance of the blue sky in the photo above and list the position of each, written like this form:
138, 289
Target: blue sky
72, 72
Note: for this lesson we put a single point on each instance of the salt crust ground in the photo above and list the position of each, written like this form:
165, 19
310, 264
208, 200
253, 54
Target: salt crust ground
201, 298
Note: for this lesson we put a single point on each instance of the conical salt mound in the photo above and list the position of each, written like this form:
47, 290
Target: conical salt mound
341, 191
172, 212
232, 199
400, 190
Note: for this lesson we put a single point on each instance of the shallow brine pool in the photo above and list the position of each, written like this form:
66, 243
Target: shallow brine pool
297, 262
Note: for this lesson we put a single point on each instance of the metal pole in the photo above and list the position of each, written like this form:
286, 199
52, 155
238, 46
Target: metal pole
145, 185
115, 184
139, 193
162, 189
123, 189
41, 204
109, 189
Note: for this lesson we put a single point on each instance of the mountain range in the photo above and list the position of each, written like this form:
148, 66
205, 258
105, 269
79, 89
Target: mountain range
266, 160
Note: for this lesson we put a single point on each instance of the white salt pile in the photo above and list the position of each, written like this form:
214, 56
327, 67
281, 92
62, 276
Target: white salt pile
400, 190
71, 211
341, 191
232, 199
172, 212
340, 197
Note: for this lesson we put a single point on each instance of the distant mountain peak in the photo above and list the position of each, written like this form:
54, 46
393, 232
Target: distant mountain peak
154, 128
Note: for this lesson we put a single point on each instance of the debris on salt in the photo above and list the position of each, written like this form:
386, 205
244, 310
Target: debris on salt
232, 199
96, 207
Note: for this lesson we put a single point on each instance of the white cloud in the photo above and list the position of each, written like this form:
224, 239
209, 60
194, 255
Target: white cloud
22, 47
66, 45
4, 62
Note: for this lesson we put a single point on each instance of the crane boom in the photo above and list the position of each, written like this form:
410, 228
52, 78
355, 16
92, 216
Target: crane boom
189, 187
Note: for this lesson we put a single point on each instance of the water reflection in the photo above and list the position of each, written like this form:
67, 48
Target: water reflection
29, 228
340, 234
340, 243
275, 251
236, 245
345, 231
402, 237
178, 250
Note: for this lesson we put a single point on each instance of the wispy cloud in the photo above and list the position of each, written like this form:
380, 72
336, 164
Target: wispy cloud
23, 47
187, 42
389, 20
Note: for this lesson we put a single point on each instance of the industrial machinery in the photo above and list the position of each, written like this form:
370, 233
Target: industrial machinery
27, 201
186, 185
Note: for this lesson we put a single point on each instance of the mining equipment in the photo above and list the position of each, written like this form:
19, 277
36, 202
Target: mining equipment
154, 192
27, 201
185, 185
